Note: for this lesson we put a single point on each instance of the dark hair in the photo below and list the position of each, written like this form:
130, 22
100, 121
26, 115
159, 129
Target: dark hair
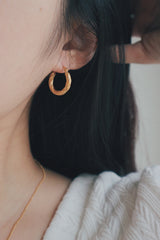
92, 127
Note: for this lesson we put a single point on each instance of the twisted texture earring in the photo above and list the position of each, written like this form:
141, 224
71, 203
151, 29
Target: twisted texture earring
67, 85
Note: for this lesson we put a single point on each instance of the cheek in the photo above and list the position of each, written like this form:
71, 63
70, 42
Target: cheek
22, 30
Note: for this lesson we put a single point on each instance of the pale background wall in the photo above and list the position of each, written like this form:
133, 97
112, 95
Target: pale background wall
146, 82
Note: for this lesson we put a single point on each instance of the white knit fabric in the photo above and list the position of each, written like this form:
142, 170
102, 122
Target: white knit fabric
109, 207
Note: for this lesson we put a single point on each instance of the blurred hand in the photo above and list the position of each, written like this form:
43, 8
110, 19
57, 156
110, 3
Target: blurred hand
146, 25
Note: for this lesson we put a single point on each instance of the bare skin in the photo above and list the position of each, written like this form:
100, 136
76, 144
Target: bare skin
25, 27
41, 210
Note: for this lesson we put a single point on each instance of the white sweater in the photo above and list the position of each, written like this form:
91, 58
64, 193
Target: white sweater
109, 207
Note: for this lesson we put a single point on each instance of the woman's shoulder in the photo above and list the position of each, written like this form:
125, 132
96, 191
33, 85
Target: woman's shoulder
107, 206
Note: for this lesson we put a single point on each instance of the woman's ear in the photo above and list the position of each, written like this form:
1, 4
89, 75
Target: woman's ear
80, 49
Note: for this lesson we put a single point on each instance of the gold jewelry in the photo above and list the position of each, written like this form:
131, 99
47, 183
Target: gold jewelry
67, 85
14, 225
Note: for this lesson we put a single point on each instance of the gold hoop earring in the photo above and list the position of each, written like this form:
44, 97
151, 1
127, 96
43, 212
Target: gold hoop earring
67, 85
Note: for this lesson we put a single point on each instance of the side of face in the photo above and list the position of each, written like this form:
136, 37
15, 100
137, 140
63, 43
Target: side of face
25, 26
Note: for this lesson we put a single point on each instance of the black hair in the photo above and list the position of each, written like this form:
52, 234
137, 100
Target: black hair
92, 128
